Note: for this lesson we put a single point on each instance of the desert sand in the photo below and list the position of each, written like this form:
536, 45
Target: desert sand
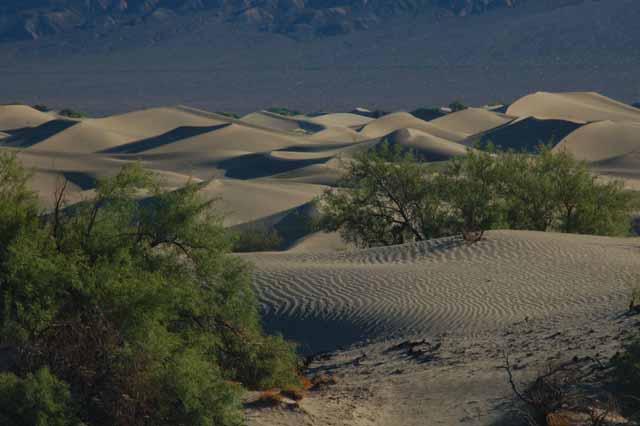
541, 297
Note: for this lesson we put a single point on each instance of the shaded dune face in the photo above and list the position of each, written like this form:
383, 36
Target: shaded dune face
324, 299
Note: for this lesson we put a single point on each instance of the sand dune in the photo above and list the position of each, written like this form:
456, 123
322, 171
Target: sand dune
578, 106
320, 241
20, 116
249, 201
153, 122
427, 146
402, 120
282, 123
341, 120
338, 135
328, 299
525, 134
82, 137
471, 121
602, 140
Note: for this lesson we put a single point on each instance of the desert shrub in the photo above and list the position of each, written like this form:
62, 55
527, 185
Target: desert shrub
38, 399
284, 111
257, 238
636, 104
388, 196
228, 114
42, 108
132, 300
71, 113
470, 192
384, 198
554, 191
456, 106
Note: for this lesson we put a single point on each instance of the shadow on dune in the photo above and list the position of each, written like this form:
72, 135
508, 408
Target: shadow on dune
171, 136
30, 136
252, 166
314, 335
525, 135
318, 147
83, 180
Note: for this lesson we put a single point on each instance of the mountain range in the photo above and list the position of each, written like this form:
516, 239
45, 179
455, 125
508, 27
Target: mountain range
32, 19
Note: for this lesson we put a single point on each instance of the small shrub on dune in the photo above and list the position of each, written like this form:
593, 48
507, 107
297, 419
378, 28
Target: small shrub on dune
260, 238
456, 106
284, 111
388, 196
71, 113
42, 108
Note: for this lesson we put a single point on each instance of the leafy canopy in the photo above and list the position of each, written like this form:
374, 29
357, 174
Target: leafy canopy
132, 303
388, 196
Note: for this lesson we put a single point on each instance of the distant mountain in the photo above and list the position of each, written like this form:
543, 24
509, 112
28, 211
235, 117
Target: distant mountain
33, 19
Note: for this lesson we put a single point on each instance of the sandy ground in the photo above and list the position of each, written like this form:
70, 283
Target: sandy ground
540, 297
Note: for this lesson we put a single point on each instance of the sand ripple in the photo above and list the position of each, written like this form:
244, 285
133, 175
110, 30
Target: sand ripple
327, 299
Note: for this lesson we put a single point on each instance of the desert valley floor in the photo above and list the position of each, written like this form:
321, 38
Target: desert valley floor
538, 297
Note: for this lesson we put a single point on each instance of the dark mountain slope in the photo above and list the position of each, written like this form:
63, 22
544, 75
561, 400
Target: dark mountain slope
20, 19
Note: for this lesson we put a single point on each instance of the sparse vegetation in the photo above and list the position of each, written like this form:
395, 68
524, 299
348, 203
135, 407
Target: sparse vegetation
71, 113
257, 238
284, 111
390, 197
229, 114
42, 108
456, 106
126, 309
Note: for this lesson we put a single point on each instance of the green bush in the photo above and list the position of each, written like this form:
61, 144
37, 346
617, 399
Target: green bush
456, 106
384, 198
67, 112
390, 197
257, 238
284, 111
132, 299
39, 399
228, 114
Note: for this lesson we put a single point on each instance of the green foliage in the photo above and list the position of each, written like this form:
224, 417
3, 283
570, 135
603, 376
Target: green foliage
284, 111
470, 188
389, 197
39, 399
42, 108
257, 238
132, 299
228, 114
384, 198
71, 113
456, 106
